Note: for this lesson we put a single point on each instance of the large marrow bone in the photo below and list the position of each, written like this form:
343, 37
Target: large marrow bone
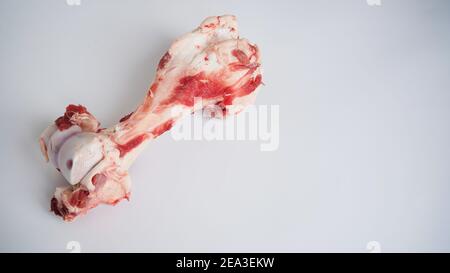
211, 63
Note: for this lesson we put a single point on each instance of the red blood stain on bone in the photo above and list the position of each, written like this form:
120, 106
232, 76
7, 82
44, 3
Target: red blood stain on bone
241, 56
130, 145
126, 117
211, 25
154, 86
247, 88
69, 164
238, 66
206, 87
254, 50
243, 61
162, 128
164, 60
198, 85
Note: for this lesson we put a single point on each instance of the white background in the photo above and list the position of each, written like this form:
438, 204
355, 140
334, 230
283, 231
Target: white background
364, 149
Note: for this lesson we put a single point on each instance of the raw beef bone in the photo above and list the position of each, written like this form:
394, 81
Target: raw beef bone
211, 63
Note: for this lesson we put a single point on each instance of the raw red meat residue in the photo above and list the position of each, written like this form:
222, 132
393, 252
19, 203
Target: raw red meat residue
243, 62
244, 90
130, 145
206, 87
79, 198
164, 60
241, 56
198, 85
63, 122
249, 86
126, 117
155, 86
162, 128
54, 207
